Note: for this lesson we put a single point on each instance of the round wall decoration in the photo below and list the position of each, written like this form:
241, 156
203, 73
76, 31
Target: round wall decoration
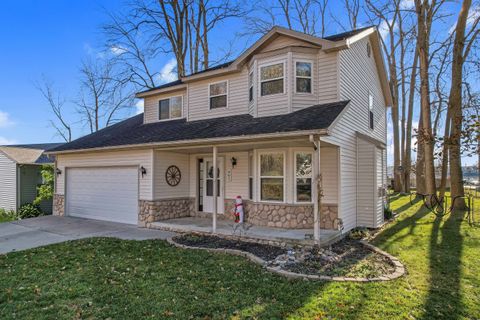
173, 176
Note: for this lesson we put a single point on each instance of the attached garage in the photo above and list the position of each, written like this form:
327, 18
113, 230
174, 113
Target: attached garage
103, 193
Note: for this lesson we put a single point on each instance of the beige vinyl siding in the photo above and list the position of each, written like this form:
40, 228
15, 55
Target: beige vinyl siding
8, 185
109, 159
380, 200
151, 105
284, 41
358, 75
163, 160
329, 170
328, 74
366, 184
237, 99
237, 185
277, 103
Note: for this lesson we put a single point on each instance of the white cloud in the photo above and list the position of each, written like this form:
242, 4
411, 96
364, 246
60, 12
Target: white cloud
140, 106
472, 17
407, 4
117, 50
168, 73
5, 120
4, 141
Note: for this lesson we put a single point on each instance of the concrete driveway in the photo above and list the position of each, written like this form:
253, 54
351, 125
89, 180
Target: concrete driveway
41, 231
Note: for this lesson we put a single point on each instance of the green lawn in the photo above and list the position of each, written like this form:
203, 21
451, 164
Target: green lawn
107, 278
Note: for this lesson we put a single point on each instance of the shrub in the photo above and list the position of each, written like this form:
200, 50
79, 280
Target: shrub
359, 233
29, 210
387, 213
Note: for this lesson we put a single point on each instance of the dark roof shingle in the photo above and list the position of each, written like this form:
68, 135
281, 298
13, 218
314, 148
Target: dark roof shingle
134, 132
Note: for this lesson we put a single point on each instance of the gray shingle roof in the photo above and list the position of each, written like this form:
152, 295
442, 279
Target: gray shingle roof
134, 132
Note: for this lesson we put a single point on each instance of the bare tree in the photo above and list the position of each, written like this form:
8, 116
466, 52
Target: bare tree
461, 49
56, 103
307, 16
426, 11
102, 97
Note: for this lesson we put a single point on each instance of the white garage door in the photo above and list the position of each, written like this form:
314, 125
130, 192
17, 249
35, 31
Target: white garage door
103, 193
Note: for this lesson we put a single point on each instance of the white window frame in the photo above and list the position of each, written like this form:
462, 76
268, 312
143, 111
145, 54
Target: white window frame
370, 109
170, 109
295, 177
303, 77
218, 95
251, 170
260, 81
259, 172
251, 86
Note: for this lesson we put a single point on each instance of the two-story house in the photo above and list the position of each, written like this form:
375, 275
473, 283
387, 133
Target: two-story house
295, 126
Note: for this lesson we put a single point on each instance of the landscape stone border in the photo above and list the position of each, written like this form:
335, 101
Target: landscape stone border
399, 267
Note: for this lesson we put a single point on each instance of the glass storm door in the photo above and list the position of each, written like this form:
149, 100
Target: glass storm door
208, 186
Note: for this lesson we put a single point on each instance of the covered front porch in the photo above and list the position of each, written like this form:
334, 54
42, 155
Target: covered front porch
230, 228
289, 189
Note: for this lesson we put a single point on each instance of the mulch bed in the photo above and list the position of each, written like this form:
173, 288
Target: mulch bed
346, 258
352, 259
264, 251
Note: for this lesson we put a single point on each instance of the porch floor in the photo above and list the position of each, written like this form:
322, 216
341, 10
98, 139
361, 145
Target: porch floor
226, 227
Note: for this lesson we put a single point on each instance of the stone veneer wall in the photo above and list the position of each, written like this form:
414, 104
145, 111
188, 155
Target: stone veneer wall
283, 215
157, 210
58, 205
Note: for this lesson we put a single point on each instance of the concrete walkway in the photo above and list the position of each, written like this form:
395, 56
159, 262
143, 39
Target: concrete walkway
37, 232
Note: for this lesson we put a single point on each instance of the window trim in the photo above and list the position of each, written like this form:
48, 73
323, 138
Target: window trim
295, 200
218, 95
259, 172
170, 109
303, 77
251, 87
260, 81
251, 179
371, 115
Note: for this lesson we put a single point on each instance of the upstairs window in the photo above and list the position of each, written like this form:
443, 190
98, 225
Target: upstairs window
303, 77
370, 109
250, 87
170, 108
271, 79
218, 95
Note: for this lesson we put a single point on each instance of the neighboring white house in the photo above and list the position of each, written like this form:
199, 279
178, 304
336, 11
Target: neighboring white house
20, 174
259, 121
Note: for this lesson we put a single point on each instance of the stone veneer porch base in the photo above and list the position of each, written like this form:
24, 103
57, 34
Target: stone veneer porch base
276, 215
58, 205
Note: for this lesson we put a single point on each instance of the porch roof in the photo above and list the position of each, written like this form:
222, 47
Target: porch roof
133, 132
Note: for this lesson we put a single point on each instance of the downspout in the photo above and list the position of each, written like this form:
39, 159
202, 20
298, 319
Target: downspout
317, 192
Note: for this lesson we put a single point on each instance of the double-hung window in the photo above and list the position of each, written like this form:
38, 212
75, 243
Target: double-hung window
271, 79
303, 77
218, 93
250, 176
303, 177
370, 110
272, 176
170, 108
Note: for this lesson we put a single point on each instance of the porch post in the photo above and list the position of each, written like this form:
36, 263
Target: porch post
315, 190
214, 211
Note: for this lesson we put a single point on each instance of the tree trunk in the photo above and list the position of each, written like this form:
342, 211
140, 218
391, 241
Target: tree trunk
445, 157
420, 164
407, 164
425, 135
455, 107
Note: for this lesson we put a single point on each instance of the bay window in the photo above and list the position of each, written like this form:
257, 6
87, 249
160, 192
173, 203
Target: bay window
303, 176
170, 108
303, 77
271, 79
272, 176
218, 95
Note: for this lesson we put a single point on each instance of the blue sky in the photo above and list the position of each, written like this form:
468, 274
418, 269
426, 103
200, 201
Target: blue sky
51, 38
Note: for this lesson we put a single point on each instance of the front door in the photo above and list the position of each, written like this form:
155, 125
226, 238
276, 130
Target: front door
208, 185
